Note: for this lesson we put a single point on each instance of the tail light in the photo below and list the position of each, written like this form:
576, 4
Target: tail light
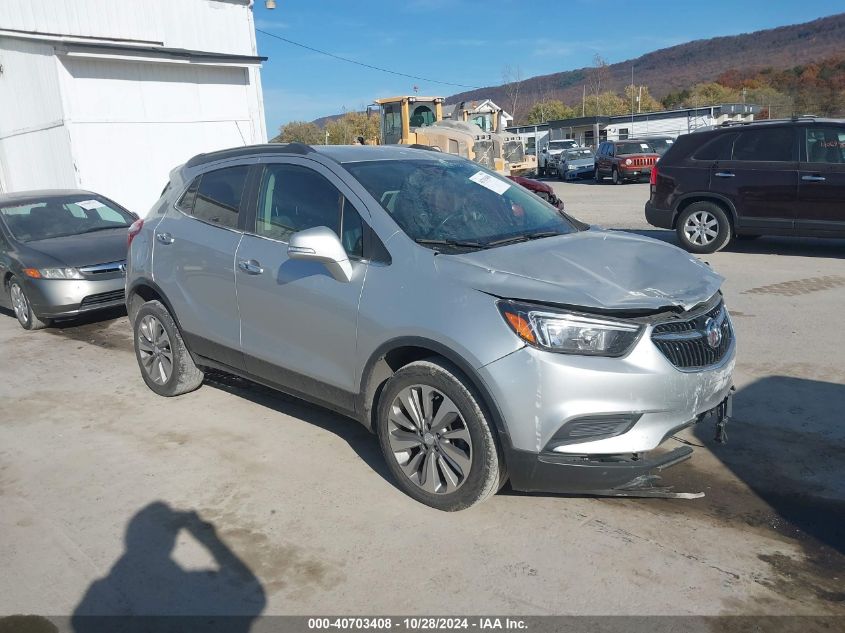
652, 180
134, 229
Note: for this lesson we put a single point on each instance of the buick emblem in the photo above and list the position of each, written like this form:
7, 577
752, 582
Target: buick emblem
713, 333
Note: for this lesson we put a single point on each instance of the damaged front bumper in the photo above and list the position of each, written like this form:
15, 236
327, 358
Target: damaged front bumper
581, 424
607, 475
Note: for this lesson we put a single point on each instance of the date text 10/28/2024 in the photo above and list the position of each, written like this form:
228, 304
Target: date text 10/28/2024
418, 623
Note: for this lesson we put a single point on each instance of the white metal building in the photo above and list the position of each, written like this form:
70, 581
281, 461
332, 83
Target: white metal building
111, 95
639, 125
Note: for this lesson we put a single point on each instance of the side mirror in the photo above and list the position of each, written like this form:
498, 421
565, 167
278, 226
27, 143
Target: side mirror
321, 244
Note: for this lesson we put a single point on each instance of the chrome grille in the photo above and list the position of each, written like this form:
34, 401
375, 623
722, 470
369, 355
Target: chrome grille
689, 343
109, 267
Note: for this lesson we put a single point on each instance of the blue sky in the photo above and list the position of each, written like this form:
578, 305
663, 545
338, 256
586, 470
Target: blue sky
470, 42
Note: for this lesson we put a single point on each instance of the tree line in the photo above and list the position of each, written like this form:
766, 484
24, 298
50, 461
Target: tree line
817, 88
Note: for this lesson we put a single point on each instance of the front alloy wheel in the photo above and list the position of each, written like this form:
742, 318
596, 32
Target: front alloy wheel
435, 436
23, 309
429, 439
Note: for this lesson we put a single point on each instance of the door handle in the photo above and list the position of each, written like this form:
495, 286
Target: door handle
813, 178
724, 174
251, 267
164, 238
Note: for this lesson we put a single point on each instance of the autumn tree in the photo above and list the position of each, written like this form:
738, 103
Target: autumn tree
350, 126
606, 103
597, 79
299, 132
642, 100
549, 110
711, 93
512, 78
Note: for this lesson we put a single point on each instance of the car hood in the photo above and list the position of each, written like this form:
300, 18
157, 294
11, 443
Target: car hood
531, 184
581, 162
87, 249
604, 270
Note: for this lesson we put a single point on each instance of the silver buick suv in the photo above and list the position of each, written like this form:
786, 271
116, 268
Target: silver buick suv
480, 333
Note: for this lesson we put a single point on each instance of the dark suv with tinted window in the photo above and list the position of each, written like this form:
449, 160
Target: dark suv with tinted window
783, 177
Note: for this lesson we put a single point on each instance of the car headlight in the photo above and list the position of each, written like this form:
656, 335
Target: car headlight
569, 332
53, 273
628, 161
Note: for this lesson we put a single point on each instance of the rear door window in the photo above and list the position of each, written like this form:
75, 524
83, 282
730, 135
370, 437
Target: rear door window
766, 144
718, 148
215, 196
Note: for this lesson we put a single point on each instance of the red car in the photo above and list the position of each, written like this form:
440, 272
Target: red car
539, 188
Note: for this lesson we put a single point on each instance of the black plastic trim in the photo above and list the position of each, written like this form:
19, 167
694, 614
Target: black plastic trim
339, 405
449, 354
554, 472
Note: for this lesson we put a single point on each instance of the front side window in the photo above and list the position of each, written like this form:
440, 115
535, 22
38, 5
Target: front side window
215, 196
765, 144
62, 217
457, 204
825, 145
293, 198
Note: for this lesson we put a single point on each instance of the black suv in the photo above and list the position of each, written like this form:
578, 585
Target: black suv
781, 177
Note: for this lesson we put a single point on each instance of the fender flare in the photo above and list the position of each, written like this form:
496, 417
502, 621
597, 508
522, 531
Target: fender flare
488, 402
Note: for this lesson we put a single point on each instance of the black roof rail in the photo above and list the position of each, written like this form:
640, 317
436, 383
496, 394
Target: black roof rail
249, 150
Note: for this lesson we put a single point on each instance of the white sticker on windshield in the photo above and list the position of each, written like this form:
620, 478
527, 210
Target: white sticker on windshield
644, 146
491, 183
89, 205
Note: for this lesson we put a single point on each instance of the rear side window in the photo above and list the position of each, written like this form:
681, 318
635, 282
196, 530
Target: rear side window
215, 196
717, 148
766, 144
825, 145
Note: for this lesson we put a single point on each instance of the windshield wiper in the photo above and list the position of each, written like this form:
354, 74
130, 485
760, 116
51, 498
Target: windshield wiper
461, 243
523, 238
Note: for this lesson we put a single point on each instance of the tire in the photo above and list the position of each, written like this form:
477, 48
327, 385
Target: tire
480, 468
703, 227
23, 308
615, 177
597, 175
541, 171
159, 344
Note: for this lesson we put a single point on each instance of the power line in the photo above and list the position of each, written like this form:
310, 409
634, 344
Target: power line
370, 66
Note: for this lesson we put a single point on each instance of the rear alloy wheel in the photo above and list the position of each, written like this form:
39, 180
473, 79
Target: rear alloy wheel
703, 227
616, 178
23, 308
165, 363
436, 439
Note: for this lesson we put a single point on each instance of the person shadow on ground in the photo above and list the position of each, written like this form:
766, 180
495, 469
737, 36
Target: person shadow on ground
146, 590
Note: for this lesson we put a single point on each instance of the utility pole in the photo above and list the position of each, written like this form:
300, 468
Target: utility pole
584, 102
632, 99
327, 138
